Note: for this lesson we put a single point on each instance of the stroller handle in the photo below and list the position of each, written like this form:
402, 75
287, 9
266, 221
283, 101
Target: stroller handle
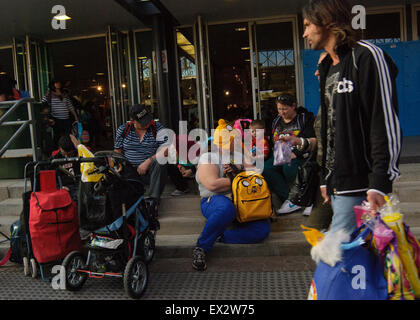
77, 160
98, 159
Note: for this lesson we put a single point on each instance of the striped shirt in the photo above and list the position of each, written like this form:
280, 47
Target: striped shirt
137, 151
60, 108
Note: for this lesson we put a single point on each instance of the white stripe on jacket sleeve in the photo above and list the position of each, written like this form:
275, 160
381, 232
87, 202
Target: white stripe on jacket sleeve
391, 119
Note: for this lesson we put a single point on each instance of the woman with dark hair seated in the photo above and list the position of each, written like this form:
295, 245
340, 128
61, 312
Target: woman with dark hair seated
296, 122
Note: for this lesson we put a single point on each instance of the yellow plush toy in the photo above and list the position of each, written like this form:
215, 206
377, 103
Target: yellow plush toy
313, 236
224, 134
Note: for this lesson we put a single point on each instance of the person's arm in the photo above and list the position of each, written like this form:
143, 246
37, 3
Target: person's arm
378, 95
208, 174
308, 144
75, 141
73, 112
161, 152
71, 109
46, 99
119, 139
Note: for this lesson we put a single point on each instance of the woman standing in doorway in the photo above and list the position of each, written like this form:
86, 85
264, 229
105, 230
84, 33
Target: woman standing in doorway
60, 108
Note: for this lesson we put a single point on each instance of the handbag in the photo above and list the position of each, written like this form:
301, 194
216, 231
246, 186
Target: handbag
305, 187
358, 276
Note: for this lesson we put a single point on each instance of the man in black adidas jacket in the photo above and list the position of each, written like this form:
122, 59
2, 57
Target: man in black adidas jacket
361, 135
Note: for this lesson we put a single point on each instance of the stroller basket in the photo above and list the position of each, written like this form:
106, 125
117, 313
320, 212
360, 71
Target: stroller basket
105, 243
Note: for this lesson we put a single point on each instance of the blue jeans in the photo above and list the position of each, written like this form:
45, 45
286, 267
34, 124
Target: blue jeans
343, 212
220, 213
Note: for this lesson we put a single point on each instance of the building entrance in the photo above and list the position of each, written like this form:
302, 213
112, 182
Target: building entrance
229, 49
250, 64
274, 63
81, 65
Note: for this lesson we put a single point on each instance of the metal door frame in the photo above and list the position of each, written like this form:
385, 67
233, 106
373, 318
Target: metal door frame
392, 9
21, 86
118, 107
254, 49
414, 9
204, 87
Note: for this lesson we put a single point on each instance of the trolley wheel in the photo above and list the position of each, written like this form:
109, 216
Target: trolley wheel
136, 277
34, 268
146, 246
26, 268
71, 263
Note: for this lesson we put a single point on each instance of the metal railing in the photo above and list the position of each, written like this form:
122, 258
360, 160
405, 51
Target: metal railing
23, 124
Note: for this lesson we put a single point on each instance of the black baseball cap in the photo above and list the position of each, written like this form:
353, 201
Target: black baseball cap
140, 113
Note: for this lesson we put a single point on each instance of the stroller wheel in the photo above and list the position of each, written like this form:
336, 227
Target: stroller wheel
147, 246
136, 277
26, 270
34, 268
74, 279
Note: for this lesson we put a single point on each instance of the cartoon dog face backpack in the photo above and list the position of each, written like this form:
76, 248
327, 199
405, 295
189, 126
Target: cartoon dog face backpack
251, 197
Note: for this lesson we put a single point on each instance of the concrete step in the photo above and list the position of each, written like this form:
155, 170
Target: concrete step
6, 222
289, 243
179, 204
192, 222
182, 222
237, 264
13, 188
410, 172
407, 191
11, 207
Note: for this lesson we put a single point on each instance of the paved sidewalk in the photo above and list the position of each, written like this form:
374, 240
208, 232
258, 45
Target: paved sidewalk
256, 278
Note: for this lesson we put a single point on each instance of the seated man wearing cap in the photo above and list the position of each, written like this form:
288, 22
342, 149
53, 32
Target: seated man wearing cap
139, 141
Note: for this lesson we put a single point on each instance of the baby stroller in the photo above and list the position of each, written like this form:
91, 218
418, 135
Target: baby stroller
122, 226
48, 221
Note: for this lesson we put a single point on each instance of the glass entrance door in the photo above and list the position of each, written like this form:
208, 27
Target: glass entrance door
19, 58
187, 77
204, 85
6, 63
38, 67
116, 45
146, 75
230, 47
243, 67
31, 63
274, 57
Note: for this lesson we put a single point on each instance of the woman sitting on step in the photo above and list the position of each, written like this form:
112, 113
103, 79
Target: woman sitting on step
216, 204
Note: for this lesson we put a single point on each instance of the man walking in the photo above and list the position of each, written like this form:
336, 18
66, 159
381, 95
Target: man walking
360, 130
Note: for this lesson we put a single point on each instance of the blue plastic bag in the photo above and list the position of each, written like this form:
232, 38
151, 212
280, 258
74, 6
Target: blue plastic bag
77, 129
358, 276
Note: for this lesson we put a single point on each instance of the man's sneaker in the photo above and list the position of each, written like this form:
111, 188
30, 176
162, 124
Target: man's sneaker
199, 259
179, 193
307, 211
287, 207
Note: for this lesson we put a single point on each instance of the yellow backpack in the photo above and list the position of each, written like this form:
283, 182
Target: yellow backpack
251, 197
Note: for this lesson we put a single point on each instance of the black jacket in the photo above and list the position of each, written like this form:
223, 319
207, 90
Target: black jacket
368, 134
305, 122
